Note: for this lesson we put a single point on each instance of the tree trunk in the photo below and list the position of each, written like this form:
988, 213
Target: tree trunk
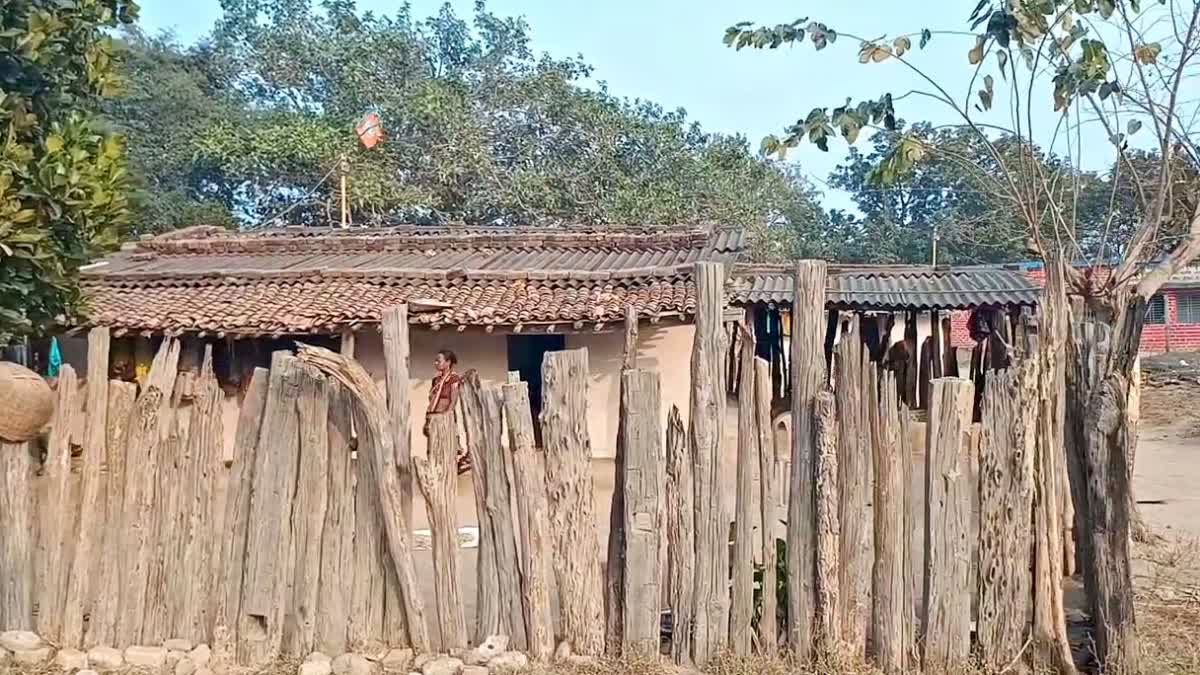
643, 441
742, 605
854, 481
615, 566
571, 499
768, 483
531, 508
335, 590
890, 614
808, 375
308, 519
829, 530
946, 633
437, 477
1139, 530
681, 537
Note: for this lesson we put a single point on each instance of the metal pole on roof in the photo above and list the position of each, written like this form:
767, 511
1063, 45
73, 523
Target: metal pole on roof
343, 169
933, 257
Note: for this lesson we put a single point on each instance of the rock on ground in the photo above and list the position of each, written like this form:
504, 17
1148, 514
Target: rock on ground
71, 660
475, 670
353, 664
87, 672
178, 645
185, 666
105, 659
316, 667
318, 656
420, 661
201, 655
33, 657
398, 661
443, 665
5, 656
509, 662
489, 649
16, 640
149, 658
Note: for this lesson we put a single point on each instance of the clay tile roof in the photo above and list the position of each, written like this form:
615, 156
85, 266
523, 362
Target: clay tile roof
317, 280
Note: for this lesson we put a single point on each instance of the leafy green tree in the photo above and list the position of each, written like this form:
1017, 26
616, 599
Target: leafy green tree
63, 181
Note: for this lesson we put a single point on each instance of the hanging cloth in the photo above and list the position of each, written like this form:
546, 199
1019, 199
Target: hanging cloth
54, 363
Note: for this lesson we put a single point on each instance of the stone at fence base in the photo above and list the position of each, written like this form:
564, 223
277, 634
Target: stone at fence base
178, 645
186, 666
146, 658
421, 660
563, 651
474, 670
398, 661
105, 659
318, 656
311, 667
71, 660
174, 656
17, 640
509, 662
489, 649
33, 657
443, 665
5, 656
87, 672
201, 655
354, 664
204, 671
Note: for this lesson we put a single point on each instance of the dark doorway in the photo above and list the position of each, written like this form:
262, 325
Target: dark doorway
525, 354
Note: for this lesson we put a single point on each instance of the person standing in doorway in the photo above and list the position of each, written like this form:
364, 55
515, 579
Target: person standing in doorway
443, 394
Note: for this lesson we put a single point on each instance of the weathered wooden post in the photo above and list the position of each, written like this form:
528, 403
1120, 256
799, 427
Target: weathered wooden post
615, 566
395, 355
367, 592
854, 481
808, 375
1006, 487
308, 517
946, 631
55, 531
890, 614
768, 483
336, 588
571, 501
828, 630
742, 605
531, 507
437, 477
16, 544
681, 537
642, 435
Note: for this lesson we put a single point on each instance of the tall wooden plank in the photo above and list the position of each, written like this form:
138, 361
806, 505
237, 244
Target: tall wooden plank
890, 613
914, 522
487, 582
707, 422
395, 355
335, 590
269, 545
571, 504
17, 543
937, 351
102, 623
912, 364
55, 531
808, 374
768, 483
642, 436
829, 531
946, 633
84, 567
1006, 487
854, 481
535, 536
308, 517
681, 537
742, 603
163, 598
615, 560
368, 596
232, 557
437, 477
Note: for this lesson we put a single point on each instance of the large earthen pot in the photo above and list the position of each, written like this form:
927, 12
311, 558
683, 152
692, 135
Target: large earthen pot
26, 403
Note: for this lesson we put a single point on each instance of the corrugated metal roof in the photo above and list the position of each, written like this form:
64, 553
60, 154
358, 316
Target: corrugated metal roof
893, 287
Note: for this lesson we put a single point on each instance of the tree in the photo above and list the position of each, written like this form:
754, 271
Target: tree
1124, 67
63, 182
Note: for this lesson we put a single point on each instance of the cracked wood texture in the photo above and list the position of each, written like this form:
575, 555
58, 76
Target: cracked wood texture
1006, 474
614, 568
642, 436
891, 613
681, 537
138, 519
396, 358
742, 604
707, 420
825, 430
232, 559
807, 376
335, 591
308, 518
946, 633
768, 483
85, 566
16, 544
437, 477
488, 619
531, 508
369, 554
102, 623
269, 546
571, 504
55, 533
854, 483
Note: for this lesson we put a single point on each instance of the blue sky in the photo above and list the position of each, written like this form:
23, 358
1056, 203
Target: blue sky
670, 52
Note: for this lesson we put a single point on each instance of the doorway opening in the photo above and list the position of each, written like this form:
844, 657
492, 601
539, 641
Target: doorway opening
525, 354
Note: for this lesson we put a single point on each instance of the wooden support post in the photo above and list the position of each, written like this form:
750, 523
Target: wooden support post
348, 343
232, 558
308, 517
162, 598
481, 431
681, 537
17, 543
395, 354
912, 366
853, 493
949, 351
828, 629
937, 350
55, 533
808, 369
914, 522
890, 615
742, 604
335, 590
615, 560
946, 632
571, 502
1006, 481
768, 483
643, 439
711, 600
102, 623
84, 567
438, 478
144, 452
531, 508
928, 358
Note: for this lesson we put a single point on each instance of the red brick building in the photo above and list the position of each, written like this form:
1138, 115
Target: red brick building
1172, 320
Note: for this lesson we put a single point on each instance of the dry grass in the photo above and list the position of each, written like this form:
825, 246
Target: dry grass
1168, 605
